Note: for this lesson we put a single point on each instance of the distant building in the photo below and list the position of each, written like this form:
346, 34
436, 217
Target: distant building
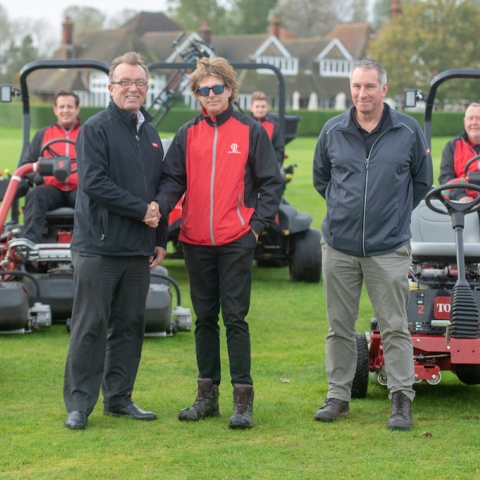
313, 68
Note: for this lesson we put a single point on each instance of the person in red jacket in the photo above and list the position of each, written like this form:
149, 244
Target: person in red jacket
50, 193
458, 152
225, 164
259, 107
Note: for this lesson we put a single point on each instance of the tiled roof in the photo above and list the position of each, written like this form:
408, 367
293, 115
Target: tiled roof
354, 37
151, 22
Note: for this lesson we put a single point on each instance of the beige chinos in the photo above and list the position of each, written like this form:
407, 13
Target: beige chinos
385, 278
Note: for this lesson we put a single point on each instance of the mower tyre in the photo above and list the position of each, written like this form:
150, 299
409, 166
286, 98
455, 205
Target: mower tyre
306, 263
360, 381
468, 374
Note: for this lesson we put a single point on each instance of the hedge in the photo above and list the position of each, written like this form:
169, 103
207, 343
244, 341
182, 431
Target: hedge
444, 124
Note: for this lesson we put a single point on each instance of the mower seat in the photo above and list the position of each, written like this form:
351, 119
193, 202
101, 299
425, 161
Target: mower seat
433, 237
64, 213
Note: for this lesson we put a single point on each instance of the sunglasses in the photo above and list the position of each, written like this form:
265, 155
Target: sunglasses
217, 90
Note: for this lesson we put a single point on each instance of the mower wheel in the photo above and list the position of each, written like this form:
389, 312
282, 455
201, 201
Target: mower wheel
360, 381
306, 263
468, 374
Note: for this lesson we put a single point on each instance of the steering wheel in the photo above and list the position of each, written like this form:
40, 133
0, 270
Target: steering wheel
450, 205
465, 170
52, 152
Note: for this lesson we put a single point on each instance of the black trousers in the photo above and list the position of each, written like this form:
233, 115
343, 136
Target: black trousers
108, 326
38, 202
221, 277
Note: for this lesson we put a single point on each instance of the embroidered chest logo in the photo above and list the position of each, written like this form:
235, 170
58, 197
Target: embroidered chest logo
234, 148
154, 145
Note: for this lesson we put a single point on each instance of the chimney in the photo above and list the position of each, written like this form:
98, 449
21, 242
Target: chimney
67, 39
206, 33
395, 8
275, 26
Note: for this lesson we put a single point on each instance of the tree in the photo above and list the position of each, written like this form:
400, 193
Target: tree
120, 18
15, 57
243, 21
85, 18
4, 27
307, 18
191, 13
429, 37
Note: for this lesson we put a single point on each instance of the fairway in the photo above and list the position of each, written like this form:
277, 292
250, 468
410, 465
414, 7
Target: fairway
288, 328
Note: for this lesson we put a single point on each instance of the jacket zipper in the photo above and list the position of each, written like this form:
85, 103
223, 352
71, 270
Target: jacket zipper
212, 182
367, 163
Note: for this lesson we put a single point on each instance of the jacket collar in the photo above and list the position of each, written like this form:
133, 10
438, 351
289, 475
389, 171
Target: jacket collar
75, 125
349, 123
126, 116
219, 119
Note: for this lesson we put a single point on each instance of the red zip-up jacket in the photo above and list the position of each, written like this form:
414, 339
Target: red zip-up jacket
455, 155
47, 134
228, 171
275, 134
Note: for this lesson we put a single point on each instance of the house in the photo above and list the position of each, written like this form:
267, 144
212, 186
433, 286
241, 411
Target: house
315, 70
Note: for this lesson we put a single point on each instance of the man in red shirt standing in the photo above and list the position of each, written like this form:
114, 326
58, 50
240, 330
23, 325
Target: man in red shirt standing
225, 164
259, 107
50, 193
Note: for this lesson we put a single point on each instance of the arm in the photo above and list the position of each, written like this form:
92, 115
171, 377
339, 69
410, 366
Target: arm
447, 170
278, 143
321, 165
174, 179
422, 169
268, 179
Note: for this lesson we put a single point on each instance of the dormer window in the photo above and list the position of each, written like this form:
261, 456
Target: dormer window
288, 66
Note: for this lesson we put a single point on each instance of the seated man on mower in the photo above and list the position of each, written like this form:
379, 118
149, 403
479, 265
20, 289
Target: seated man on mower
458, 152
50, 193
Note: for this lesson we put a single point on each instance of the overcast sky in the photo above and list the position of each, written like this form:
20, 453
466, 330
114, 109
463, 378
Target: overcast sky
51, 10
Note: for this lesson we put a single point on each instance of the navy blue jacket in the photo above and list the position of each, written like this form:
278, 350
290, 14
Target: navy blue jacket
370, 198
119, 175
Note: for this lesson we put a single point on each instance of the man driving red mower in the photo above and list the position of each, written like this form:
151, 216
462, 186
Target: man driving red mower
54, 140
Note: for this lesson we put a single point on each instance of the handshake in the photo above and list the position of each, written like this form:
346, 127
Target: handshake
152, 217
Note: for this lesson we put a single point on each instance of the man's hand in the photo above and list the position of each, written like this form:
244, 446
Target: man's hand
156, 260
152, 217
256, 234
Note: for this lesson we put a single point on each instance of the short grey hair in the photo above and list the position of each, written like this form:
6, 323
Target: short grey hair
369, 63
471, 105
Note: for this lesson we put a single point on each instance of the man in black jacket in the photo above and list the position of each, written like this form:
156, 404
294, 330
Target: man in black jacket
372, 165
115, 240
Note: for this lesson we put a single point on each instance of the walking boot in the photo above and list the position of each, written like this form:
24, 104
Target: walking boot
332, 409
401, 418
242, 406
206, 403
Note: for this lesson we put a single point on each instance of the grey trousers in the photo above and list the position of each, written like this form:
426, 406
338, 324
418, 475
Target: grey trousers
108, 326
385, 278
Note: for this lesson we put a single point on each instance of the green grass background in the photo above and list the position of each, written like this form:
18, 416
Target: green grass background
288, 327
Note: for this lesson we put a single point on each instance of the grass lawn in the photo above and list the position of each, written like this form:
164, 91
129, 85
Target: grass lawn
288, 326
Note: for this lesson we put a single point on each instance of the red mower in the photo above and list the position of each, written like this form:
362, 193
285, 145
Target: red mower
36, 280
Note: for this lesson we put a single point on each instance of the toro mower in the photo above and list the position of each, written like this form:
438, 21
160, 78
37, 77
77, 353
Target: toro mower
36, 280
290, 240
443, 312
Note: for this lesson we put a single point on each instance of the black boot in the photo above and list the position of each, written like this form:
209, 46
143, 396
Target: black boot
242, 406
401, 418
206, 403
